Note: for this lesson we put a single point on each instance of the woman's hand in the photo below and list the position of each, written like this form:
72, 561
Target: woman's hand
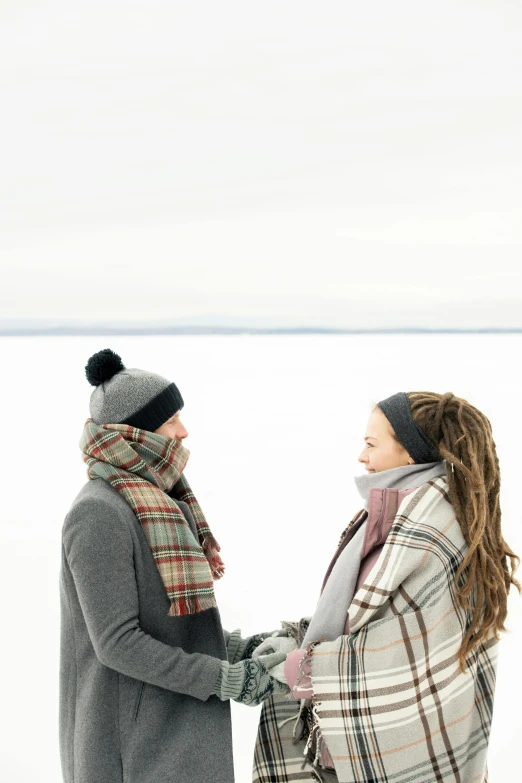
275, 644
239, 648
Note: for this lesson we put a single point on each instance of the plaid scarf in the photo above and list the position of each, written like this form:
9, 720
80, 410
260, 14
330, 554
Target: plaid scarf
147, 470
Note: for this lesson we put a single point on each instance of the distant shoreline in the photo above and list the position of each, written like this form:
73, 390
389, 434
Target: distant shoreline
93, 331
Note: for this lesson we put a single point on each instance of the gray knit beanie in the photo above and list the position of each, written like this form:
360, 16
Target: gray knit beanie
129, 396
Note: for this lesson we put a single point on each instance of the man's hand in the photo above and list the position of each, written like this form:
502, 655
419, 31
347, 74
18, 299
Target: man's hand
249, 681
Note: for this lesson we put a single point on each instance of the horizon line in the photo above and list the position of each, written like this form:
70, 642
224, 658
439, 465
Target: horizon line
85, 331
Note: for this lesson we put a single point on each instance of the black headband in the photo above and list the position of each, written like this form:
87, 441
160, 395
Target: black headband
398, 412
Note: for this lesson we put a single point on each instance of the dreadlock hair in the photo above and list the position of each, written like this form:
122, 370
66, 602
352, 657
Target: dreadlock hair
464, 438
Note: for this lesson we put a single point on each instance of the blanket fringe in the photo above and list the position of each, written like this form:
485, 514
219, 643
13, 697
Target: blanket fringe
306, 659
315, 752
306, 722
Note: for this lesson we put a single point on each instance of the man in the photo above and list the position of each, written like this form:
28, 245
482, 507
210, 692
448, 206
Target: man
146, 669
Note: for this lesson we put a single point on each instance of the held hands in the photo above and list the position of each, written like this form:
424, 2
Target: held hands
238, 648
274, 644
250, 681
253, 647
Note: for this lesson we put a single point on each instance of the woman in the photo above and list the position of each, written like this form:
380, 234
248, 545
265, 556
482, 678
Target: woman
395, 671
146, 669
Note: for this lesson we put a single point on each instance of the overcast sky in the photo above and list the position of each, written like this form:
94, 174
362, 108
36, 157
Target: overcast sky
287, 162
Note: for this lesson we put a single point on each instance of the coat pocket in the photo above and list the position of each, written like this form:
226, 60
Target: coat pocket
138, 700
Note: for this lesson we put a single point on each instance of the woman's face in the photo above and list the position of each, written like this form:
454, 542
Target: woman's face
381, 450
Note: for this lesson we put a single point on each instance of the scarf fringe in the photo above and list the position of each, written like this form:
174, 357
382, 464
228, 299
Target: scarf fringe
183, 606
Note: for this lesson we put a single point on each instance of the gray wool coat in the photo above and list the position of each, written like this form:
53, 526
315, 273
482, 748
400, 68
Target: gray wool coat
135, 683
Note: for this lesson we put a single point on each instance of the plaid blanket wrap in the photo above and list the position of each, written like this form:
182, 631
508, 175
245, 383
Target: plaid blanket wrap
390, 703
143, 467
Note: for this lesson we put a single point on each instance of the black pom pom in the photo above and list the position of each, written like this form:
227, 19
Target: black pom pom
102, 366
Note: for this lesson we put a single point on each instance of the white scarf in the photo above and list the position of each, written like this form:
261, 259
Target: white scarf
403, 477
329, 617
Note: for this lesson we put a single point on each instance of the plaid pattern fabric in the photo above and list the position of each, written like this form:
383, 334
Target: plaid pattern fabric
279, 757
390, 702
143, 467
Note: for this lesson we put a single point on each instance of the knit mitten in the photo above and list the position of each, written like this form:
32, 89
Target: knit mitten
249, 681
238, 648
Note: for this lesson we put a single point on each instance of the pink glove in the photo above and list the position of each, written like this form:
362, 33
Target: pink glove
292, 673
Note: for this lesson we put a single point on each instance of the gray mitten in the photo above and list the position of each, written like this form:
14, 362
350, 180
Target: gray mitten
238, 648
275, 644
249, 681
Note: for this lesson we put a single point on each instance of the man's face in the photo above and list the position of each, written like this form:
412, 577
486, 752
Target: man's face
173, 428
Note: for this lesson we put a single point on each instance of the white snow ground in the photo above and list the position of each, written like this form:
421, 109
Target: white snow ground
275, 427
